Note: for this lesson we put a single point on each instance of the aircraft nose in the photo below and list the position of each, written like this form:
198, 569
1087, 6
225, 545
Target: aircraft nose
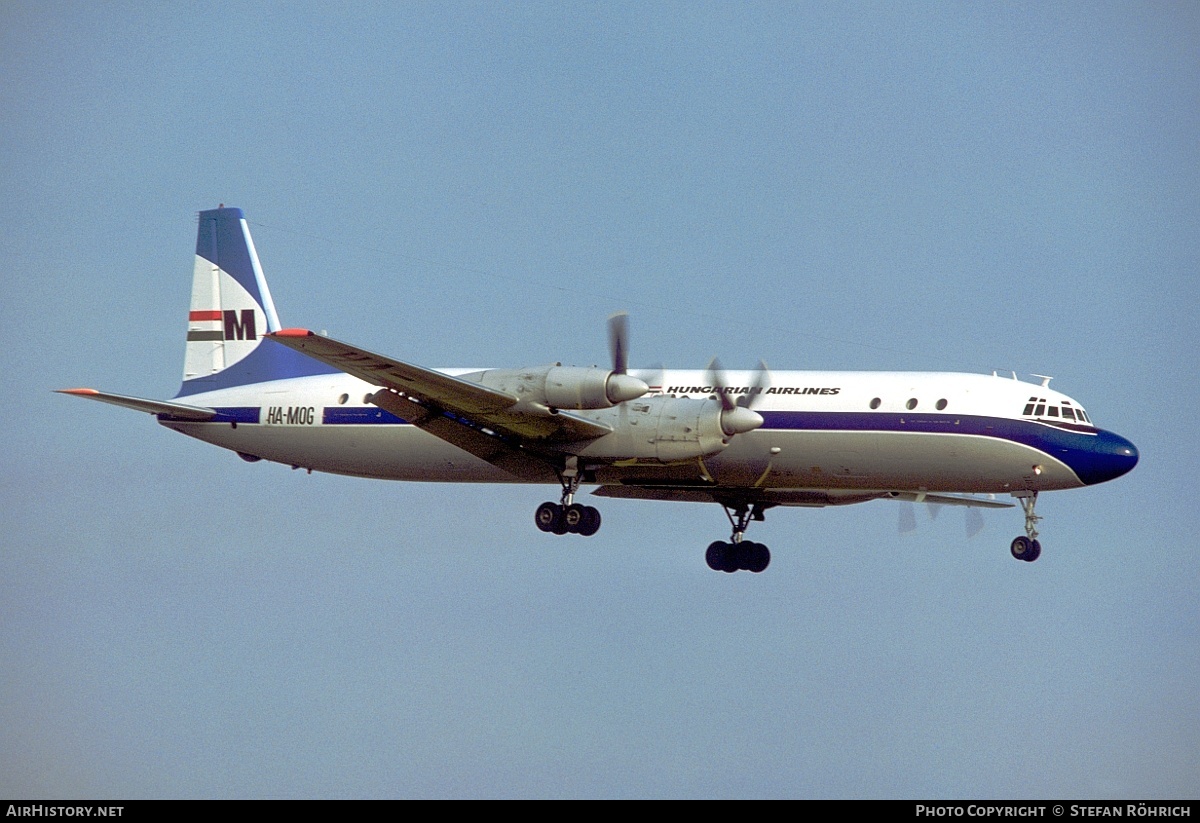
1112, 456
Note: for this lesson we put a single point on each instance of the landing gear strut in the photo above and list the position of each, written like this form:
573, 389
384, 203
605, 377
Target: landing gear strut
738, 553
567, 516
1026, 547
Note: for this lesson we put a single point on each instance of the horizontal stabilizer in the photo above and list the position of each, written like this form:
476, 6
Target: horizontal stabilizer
149, 406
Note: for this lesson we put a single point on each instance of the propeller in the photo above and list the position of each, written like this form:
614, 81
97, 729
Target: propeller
736, 418
621, 386
654, 376
618, 341
761, 384
974, 522
908, 522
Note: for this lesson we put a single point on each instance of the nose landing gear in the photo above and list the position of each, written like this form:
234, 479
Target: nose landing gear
1026, 547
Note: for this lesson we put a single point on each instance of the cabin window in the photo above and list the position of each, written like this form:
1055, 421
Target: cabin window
342, 400
875, 403
911, 404
367, 398
941, 404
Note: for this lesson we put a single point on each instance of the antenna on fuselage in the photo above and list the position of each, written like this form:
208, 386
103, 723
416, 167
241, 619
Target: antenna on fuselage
1045, 379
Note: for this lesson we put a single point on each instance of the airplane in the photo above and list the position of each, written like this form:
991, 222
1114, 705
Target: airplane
748, 441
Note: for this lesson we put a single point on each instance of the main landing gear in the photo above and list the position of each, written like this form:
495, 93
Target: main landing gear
739, 554
1026, 547
568, 517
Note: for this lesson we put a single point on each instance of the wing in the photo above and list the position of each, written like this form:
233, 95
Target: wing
499, 411
493, 425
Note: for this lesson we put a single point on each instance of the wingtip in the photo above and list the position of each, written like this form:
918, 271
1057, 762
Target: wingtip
82, 392
291, 333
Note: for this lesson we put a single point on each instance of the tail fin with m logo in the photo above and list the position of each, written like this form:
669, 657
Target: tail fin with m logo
231, 310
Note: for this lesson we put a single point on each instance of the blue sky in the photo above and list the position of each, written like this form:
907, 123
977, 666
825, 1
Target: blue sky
941, 186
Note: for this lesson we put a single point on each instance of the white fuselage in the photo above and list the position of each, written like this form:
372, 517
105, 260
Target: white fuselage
828, 431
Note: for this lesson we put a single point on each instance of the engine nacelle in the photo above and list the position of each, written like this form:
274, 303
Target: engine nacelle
572, 387
666, 430
565, 387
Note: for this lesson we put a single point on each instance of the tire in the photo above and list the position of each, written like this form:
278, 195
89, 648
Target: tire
1035, 551
548, 516
575, 517
591, 521
759, 557
717, 556
1021, 547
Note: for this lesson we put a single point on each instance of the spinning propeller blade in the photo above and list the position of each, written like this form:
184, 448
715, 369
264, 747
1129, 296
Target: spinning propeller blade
761, 383
735, 418
618, 341
621, 386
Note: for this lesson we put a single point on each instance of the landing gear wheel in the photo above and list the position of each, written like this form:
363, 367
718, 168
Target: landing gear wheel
738, 553
591, 521
1035, 551
549, 517
719, 556
1022, 548
574, 516
567, 516
739, 556
575, 519
1027, 547
731, 557
757, 558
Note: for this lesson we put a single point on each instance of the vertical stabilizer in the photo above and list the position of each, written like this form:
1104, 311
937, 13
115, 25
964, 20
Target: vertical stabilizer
230, 311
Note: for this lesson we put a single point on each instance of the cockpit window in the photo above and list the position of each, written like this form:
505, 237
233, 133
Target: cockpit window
1039, 407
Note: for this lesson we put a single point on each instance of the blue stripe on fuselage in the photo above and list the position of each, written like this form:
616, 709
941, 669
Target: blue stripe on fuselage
357, 415
225, 414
